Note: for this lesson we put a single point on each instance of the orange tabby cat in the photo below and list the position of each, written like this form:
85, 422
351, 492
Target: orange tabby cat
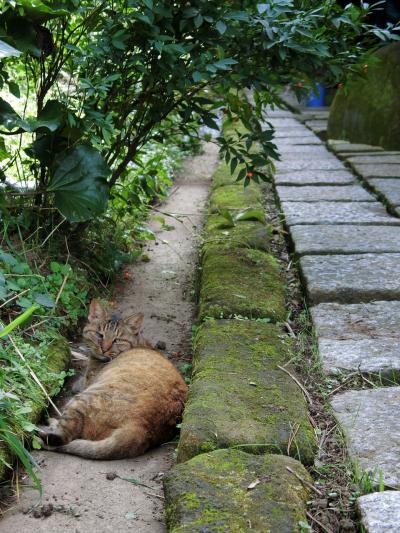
131, 403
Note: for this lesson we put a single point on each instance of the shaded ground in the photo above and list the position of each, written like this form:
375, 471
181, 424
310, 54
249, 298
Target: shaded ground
82, 496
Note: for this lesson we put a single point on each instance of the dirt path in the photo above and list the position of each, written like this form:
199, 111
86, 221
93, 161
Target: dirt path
83, 499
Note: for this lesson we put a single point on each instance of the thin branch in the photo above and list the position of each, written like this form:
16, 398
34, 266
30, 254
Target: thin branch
306, 394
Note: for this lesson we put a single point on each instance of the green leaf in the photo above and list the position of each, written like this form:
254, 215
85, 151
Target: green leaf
8, 51
79, 183
251, 214
227, 215
44, 300
51, 117
225, 64
3, 150
41, 11
18, 321
7, 258
221, 27
10, 118
14, 89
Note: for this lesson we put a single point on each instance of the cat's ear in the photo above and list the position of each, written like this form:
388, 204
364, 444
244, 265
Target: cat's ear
96, 311
135, 322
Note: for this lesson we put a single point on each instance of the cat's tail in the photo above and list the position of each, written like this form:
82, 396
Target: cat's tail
122, 443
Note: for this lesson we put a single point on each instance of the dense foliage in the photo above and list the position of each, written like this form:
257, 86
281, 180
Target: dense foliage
107, 78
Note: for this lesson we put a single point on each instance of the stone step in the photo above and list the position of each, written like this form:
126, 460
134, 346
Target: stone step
345, 146
389, 188
232, 491
334, 213
315, 177
240, 398
371, 424
298, 131
380, 511
378, 159
310, 149
340, 239
324, 193
359, 337
351, 278
379, 170
310, 163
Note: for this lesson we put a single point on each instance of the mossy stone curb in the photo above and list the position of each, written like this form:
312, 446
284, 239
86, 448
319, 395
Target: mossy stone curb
239, 397
235, 197
241, 282
210, 493
57, 359
245, 234
222, 176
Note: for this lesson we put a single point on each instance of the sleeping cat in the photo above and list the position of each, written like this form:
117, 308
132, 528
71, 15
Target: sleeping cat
133, 400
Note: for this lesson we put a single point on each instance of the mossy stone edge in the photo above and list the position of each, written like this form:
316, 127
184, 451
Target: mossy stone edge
57, 360
211, 493
240, 398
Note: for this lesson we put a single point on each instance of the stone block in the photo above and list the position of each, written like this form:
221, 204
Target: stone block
245, 234
341, 239
379, 170
345, 146
311, 193
334, 213
310, 163
235, 197
371, 424
232, 491
315, 177
240, 398
241, 282
376, 159
388, 188
359, 337
351, 278
380, 511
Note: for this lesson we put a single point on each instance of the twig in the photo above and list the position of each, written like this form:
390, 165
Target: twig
52, 231
154, 494
305, 482
60, 291
14, 297
311, 517
290, 330
298, 383
343, 383
292, 436
34, 376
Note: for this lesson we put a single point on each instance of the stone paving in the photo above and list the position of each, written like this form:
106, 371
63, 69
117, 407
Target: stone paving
348, 246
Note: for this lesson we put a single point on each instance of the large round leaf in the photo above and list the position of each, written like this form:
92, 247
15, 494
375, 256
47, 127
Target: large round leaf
79, 183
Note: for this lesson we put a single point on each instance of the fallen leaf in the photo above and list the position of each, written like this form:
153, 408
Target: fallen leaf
253, 484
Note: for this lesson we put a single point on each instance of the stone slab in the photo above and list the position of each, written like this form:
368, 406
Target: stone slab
387, 187
343, 239
351, 278
308, 140
364, 337
283, 122
380, 511
310, 163
334, 213
299, 131
318, 124
314, 150
315, 177
233, 491
343, 146
304, 156
324, 193
381, 170
238, 395
378, 159
371, 424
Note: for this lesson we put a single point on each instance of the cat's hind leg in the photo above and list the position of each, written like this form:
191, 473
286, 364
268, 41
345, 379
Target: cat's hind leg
122, 443
61, 431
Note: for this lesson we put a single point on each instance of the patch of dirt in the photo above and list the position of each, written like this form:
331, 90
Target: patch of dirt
82, 496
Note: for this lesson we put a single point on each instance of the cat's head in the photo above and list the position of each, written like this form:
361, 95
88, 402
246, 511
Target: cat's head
108, 335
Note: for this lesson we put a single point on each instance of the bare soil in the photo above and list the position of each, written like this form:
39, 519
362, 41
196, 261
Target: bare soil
82, 496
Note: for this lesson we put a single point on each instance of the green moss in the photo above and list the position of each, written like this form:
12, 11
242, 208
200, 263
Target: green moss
240, 398
368, 111
241, 282
246, 234
222, 176
220, 481
235, 197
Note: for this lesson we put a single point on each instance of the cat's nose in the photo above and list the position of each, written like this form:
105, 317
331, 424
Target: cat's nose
105, 346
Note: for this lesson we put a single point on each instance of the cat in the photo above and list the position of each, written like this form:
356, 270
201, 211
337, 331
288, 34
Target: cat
133, 399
